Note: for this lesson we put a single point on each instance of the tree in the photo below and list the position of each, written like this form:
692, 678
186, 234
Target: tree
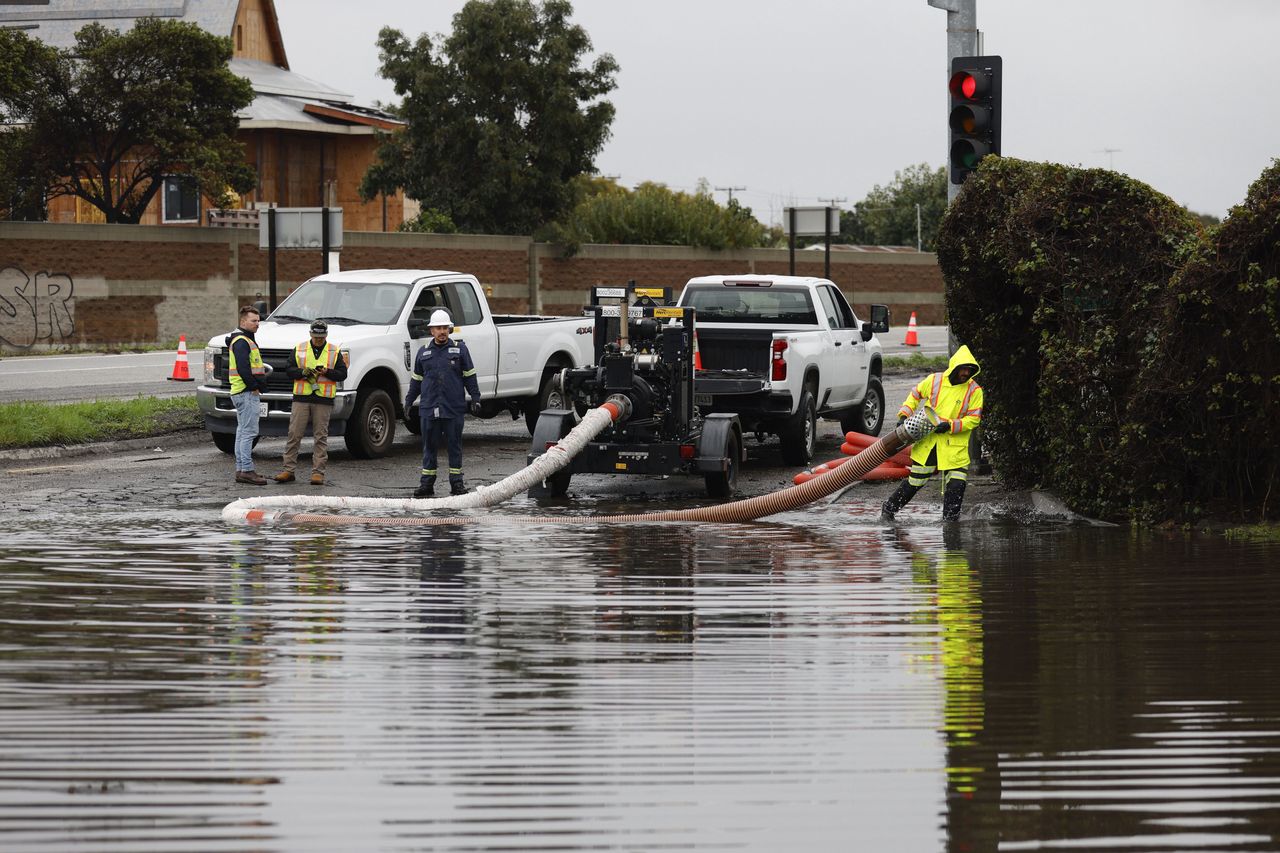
887, 216
654, 214
21, 188
108, 120
501, 115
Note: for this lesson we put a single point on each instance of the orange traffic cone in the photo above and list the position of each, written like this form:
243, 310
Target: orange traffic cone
697, 355
911, 340
181, 370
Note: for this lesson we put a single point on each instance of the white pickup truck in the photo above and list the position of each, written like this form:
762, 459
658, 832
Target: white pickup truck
780, 351
378, 319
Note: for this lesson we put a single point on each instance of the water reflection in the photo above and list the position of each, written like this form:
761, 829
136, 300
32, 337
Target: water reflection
818, 682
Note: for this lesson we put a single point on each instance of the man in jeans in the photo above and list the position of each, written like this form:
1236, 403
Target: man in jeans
248, 381
316, 367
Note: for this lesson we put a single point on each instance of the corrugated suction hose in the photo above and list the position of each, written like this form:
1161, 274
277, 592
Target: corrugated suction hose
911, 430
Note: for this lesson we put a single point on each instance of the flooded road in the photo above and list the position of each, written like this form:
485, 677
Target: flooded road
817, 682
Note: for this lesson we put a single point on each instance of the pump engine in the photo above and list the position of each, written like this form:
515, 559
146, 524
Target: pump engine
644, 350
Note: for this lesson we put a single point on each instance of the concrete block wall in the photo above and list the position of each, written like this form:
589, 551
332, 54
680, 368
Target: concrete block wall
88, 286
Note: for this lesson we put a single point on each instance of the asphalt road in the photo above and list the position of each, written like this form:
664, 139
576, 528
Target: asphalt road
184, 472
94, 376
70, 378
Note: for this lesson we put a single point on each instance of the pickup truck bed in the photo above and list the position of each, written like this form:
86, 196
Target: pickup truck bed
781, 351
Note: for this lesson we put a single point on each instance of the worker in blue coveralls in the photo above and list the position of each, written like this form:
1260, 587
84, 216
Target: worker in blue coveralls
441, 371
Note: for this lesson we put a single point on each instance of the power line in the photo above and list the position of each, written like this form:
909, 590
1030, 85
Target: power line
729, 190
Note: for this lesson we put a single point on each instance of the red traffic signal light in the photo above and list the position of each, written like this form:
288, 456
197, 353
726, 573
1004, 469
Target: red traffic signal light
975, 112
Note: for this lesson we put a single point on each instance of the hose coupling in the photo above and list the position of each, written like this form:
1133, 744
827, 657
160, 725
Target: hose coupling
623, 402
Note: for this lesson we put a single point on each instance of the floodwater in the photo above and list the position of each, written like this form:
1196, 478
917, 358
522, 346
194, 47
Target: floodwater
816, 682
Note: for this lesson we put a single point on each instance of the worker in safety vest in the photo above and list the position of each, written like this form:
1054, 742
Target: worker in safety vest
248, 376
316, 367
442, 371
957, 399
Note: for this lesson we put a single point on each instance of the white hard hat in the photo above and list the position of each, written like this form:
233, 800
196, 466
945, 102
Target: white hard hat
440, 318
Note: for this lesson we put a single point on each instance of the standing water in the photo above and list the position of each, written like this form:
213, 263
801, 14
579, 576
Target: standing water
812, 683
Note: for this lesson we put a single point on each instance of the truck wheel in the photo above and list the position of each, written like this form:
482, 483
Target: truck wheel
800, 433
226, 441
722, 483
549, 397
867, 418
372, 427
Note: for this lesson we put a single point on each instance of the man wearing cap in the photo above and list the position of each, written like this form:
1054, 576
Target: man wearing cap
442, 371
316, 367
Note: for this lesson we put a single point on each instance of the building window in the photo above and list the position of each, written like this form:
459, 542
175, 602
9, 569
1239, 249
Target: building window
181, 200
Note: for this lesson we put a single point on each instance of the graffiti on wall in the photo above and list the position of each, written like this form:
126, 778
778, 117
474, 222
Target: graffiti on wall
37, 308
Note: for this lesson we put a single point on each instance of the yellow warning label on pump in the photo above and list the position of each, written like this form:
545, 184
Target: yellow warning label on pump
668, 312
619, 466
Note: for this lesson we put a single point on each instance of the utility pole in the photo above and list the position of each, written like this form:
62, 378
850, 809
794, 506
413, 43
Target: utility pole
1111, 156
962, 40
729, 190
833, 201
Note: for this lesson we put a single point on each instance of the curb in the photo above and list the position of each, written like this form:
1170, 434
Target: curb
99, 448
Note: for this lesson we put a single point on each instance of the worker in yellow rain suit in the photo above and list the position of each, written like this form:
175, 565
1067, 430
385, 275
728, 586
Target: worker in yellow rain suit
957, 399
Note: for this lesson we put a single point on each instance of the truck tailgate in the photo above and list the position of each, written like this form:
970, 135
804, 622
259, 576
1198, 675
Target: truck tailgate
735, 349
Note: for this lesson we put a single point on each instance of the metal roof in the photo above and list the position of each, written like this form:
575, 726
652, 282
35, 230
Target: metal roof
56, 22
281, 95
268, 79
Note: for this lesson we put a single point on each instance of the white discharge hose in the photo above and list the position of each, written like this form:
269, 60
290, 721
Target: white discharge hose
557, 456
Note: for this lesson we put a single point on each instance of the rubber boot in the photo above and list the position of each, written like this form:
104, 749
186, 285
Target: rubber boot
900, 498
952, 499
426, 488
457, 488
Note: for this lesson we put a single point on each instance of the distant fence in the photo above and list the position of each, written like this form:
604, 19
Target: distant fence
80, 286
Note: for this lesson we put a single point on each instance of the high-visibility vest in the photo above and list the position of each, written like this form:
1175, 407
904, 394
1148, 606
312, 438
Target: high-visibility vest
255, 363
306, 358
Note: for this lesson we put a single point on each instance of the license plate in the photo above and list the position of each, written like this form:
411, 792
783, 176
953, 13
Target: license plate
262, 408
702, 399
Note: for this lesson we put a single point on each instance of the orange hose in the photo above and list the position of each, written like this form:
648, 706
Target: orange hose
856, 441
884, 471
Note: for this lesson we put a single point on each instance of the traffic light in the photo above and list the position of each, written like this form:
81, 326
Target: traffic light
975, 112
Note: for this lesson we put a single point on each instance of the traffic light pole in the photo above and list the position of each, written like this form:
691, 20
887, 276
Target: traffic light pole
962, 40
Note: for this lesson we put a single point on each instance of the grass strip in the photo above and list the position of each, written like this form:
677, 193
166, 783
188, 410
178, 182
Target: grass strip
915, 362
44, 424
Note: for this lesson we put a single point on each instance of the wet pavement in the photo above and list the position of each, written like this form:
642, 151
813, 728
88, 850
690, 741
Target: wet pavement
812, 681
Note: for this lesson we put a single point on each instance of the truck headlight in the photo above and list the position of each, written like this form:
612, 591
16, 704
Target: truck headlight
209, 354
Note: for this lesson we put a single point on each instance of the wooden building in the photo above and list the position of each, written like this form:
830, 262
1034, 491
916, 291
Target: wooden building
310, 144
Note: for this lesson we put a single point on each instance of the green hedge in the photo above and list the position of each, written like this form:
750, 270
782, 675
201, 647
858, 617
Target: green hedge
1204, 418
1056, 277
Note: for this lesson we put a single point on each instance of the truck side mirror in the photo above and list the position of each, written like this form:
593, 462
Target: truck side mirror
417, 328
880, 319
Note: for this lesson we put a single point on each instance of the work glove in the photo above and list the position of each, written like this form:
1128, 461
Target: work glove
408, 404
943, 426
474, 407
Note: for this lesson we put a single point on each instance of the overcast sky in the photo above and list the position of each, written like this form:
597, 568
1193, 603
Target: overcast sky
809, 100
